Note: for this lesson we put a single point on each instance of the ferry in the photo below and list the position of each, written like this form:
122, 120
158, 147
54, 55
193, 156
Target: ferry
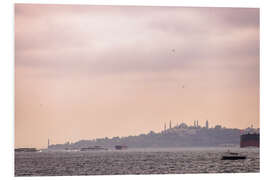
233, 156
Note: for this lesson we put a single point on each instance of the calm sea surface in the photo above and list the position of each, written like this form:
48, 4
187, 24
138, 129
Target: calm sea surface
136, 161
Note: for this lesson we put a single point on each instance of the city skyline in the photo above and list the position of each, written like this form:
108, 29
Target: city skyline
172, 126
84, 71
195, 135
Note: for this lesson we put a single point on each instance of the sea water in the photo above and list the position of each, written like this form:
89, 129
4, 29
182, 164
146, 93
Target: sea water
135, 161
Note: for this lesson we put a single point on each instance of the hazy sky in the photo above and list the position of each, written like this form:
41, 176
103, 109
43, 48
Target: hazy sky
84, 72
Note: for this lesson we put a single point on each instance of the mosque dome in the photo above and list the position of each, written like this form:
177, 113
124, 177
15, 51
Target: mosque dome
183, 125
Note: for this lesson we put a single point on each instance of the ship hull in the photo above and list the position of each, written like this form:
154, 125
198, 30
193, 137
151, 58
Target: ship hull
119, 147
26, 150
250, 140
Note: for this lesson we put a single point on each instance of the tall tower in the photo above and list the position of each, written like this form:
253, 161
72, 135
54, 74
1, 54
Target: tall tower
164, 127
206, 124
197, 123
194, 123
170, 124
48, 143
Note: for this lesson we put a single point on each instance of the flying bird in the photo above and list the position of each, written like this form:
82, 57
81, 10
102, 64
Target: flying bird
179, 85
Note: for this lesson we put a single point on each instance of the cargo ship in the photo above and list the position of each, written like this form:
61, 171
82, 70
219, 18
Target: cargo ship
94, 148
250, 140
120, 147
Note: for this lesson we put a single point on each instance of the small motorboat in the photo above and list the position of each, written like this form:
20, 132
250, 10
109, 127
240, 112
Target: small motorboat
232, 156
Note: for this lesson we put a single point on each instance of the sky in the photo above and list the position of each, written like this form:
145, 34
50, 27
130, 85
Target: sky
86, 72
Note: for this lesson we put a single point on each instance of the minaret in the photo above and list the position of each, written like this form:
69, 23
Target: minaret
48, 143
194, 123
206, 124
164, 127
170, 124
197, 123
